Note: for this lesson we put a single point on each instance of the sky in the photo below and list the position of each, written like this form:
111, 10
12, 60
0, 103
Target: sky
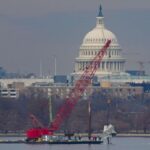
33, 32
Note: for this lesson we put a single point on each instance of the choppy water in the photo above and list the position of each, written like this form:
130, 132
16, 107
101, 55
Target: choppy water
117, 144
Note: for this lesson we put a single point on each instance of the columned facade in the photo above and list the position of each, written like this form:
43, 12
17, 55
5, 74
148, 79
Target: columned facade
112, 63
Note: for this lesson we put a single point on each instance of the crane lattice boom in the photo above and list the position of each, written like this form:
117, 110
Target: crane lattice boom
80, 86
74, 95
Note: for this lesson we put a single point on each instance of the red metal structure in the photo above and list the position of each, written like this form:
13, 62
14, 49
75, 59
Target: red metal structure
74, 95
35, 122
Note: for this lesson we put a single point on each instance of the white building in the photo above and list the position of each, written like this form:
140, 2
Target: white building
112, 67
9, 93
112, 63
27, 82
10, 88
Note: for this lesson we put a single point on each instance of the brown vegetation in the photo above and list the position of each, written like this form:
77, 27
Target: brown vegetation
126, 115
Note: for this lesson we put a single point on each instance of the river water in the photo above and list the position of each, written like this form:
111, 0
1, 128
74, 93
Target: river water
118, 143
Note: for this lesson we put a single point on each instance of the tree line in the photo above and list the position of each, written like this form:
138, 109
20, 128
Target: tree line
126, 114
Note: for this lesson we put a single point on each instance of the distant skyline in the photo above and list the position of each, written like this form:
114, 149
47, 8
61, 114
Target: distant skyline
34, 31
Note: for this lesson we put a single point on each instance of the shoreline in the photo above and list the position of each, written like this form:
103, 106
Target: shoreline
118, 135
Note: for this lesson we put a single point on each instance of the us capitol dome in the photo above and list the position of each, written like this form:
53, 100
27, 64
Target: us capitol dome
112, 63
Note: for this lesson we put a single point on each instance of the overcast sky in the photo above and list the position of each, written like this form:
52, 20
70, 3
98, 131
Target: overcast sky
33, 31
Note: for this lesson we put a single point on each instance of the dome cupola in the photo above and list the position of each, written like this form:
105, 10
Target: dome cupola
99, 35
100, 22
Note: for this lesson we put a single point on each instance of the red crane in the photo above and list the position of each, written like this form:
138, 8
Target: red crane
35, 122
74, 95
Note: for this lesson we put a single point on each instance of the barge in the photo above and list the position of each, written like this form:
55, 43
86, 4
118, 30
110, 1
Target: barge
51, 142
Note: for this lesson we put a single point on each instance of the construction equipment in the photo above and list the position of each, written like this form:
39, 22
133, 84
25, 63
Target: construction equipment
38, 129
35, 122
74, 95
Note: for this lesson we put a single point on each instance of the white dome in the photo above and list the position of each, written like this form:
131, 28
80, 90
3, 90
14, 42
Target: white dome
99, 35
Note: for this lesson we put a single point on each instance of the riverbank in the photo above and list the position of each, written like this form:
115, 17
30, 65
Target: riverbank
118, 135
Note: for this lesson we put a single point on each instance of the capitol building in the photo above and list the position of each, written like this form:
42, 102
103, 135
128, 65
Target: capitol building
113, 61
112, 66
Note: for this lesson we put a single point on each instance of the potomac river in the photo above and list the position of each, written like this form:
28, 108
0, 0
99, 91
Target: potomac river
118, 143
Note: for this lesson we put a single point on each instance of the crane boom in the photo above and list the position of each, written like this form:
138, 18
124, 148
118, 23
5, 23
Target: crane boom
36, 122
74, 95
80, 86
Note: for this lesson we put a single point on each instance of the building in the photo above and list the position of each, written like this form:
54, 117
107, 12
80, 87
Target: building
11, 88
26, 82
112, 67
9, 93
113, 61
